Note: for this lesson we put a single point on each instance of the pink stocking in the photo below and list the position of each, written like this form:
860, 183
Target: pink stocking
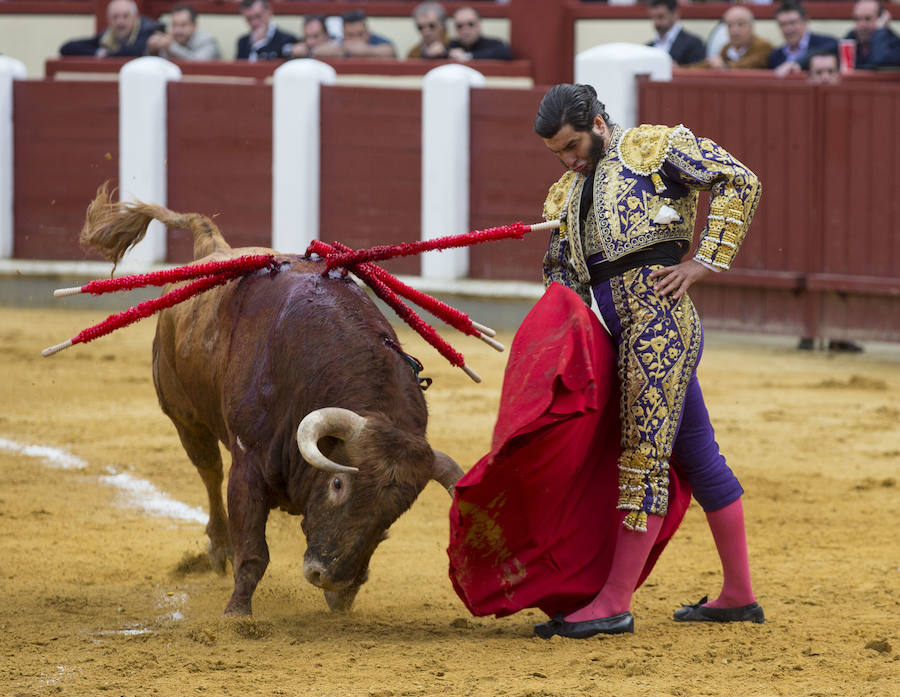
632, 550
727, 526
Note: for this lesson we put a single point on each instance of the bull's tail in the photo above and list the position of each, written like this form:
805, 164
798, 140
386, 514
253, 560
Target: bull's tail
112, 228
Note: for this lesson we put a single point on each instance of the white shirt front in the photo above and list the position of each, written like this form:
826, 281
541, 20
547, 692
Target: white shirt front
665, 42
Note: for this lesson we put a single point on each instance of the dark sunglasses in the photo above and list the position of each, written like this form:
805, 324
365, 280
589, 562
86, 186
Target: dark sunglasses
427, 25
461, 25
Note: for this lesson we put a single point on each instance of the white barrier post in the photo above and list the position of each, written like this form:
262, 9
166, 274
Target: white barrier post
142, 145
10, 69
297, 152
612, 70
445, 165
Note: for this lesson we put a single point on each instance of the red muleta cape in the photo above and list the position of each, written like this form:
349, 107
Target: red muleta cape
534, 522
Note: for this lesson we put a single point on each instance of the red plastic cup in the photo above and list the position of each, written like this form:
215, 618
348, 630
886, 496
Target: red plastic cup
847, 54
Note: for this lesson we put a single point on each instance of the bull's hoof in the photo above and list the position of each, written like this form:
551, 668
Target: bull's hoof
238, 608
218, 557
342, 600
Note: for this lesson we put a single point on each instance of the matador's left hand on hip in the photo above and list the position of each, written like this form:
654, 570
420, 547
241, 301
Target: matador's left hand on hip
677, 279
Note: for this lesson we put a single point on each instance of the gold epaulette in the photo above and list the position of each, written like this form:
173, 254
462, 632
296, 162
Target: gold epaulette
558, 196
643, 149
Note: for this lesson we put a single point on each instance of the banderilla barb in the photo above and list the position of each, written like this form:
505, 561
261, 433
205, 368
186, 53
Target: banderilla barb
386, 286
208, 276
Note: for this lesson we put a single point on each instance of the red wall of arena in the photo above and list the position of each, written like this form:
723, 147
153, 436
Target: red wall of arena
66, 143
821, 257
220, 161
511, 171
370, 169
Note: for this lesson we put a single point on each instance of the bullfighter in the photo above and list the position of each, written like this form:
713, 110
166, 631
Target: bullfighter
627, 205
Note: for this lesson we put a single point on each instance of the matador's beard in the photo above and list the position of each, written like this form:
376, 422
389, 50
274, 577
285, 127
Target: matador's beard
597, 151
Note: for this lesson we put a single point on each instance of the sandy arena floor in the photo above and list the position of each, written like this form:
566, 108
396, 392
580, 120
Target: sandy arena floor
101, 597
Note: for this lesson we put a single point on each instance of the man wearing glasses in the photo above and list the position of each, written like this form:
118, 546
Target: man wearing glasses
431, 21
469, 44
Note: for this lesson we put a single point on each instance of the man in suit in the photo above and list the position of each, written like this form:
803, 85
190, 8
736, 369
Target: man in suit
799, 42
470, 44
126, 34
671, 37
876, 45
265, 41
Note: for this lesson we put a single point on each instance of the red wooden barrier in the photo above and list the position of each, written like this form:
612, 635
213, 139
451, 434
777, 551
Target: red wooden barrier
66, 143
742, 116
220, 161
858, 277
371, 172
820, 259
262, 70
822, 246
510, 174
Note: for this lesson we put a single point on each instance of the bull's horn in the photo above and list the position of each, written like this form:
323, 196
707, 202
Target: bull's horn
446, 471
330, 421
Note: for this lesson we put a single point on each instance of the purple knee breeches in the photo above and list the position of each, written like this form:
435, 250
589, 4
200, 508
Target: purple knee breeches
663, 413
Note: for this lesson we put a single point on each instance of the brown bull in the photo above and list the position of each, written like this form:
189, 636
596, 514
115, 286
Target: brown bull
269, 360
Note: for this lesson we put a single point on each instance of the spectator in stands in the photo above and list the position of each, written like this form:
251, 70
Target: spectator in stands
265, 40
359, 42
126, 34
876, 45
469, 44
799, 42
684, 48
744, 49
824, 70
185, 41
431, 22
316, 42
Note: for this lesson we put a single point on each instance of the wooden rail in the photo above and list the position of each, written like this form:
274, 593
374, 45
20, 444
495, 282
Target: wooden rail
263, 70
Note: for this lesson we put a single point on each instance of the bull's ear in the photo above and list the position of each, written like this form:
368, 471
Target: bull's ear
446, 472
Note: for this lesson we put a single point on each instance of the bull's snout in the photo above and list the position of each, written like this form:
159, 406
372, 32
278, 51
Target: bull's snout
314, 571
319, 575
339, 596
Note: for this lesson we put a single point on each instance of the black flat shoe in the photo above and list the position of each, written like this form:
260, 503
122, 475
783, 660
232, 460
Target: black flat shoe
545, 630
698, 613
617, 624
845, 346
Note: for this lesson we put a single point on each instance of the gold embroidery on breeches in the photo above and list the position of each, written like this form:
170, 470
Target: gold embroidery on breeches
658, 354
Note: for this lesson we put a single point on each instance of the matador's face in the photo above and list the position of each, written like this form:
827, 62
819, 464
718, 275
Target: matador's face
580, 151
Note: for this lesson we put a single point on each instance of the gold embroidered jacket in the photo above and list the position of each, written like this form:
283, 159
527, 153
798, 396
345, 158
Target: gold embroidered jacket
645, 191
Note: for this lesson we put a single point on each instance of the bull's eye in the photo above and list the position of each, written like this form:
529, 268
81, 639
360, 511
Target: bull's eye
337, 484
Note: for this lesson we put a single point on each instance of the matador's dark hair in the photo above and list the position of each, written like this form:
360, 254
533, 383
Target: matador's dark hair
576, 105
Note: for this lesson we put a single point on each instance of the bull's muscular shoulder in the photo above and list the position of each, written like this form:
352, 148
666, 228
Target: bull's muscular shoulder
643, 149
558, 195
